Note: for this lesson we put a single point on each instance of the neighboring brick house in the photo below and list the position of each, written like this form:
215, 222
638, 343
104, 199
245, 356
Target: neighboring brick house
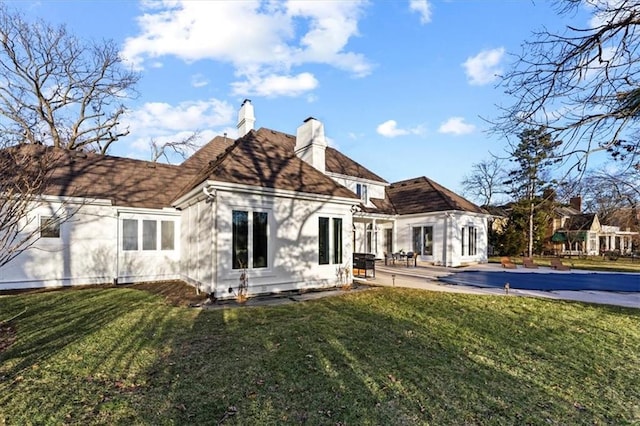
286, 212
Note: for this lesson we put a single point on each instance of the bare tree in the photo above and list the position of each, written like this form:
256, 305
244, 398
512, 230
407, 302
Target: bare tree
59, 90
26, 172
582, 84
485, 181
183, 148
611, 193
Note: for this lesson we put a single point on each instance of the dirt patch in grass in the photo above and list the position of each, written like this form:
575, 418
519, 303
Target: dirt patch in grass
175, 293
7, 336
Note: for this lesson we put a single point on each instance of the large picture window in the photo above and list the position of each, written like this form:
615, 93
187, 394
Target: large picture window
329, 240
249, 252
423, 240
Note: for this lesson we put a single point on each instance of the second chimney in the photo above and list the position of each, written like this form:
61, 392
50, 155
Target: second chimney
576, 203
311, 143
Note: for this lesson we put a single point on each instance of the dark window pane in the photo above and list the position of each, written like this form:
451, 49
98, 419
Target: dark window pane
428, 240
49, 227
417, 237
129, 234
149, 235
323, 241
259, 240
168, 235
240, 249
337, 241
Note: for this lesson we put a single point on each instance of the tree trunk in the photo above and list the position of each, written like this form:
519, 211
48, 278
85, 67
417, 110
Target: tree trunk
531, 231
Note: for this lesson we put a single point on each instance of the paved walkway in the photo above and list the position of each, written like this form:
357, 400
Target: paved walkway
426, 278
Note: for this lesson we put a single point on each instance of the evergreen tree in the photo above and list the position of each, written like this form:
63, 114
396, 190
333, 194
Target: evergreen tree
534, 155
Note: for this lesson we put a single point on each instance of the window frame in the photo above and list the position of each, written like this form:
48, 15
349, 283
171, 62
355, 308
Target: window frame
251, 234
334, 236
421, 243
158, 244
54, 224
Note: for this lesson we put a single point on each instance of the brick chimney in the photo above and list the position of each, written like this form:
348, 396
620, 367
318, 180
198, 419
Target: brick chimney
246, 118
311, 143
576, 203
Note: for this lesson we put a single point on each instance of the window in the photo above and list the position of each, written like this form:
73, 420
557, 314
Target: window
388, 240
167, 235
152, 234
149, 234
329, 240
323, 241
469, 237
337, 241
49, 227
240, 249
423, 240
259, 240
362, 192
243, 248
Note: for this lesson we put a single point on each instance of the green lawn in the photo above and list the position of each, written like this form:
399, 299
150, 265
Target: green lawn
385, 356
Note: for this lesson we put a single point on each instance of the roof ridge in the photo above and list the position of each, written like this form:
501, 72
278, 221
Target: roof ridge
205, 171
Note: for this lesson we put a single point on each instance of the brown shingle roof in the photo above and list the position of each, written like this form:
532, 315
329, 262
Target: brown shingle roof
335, 161
124, 181
422, 195
261, 159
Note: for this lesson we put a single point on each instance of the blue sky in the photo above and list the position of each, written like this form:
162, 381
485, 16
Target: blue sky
401, 86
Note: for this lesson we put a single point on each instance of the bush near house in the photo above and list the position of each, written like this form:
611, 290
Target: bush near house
388, 356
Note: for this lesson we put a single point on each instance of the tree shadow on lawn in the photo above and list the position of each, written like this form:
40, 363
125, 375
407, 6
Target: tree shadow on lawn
387, 357
77, 350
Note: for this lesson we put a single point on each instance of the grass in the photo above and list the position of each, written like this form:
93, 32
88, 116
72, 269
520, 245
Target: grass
594, 263
386, 356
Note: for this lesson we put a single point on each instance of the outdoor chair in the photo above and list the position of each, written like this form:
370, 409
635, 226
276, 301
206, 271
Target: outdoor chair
559, 266
507, 263
529, 263
412, 257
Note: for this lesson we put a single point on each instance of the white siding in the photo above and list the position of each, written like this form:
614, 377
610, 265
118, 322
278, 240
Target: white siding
292, 243
88, 251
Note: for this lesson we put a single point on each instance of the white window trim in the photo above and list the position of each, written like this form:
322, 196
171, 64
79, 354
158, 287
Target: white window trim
140, 219
250, 269
55, 218
332, 248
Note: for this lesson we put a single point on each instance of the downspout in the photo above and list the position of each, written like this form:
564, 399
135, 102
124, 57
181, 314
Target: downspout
117, 271
211, 193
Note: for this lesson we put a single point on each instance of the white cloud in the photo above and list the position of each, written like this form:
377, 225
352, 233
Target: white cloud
456, 126
199, 80
389, 129
259, 38
423, 8
164, 122
275, 85
484, 67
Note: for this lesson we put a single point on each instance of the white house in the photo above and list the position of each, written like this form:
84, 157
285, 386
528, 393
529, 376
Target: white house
283, 212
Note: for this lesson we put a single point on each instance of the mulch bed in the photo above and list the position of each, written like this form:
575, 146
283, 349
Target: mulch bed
175, 293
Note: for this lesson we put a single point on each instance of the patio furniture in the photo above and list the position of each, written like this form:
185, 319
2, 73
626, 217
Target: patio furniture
364, 265
507, 263
529, 263
559, 266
